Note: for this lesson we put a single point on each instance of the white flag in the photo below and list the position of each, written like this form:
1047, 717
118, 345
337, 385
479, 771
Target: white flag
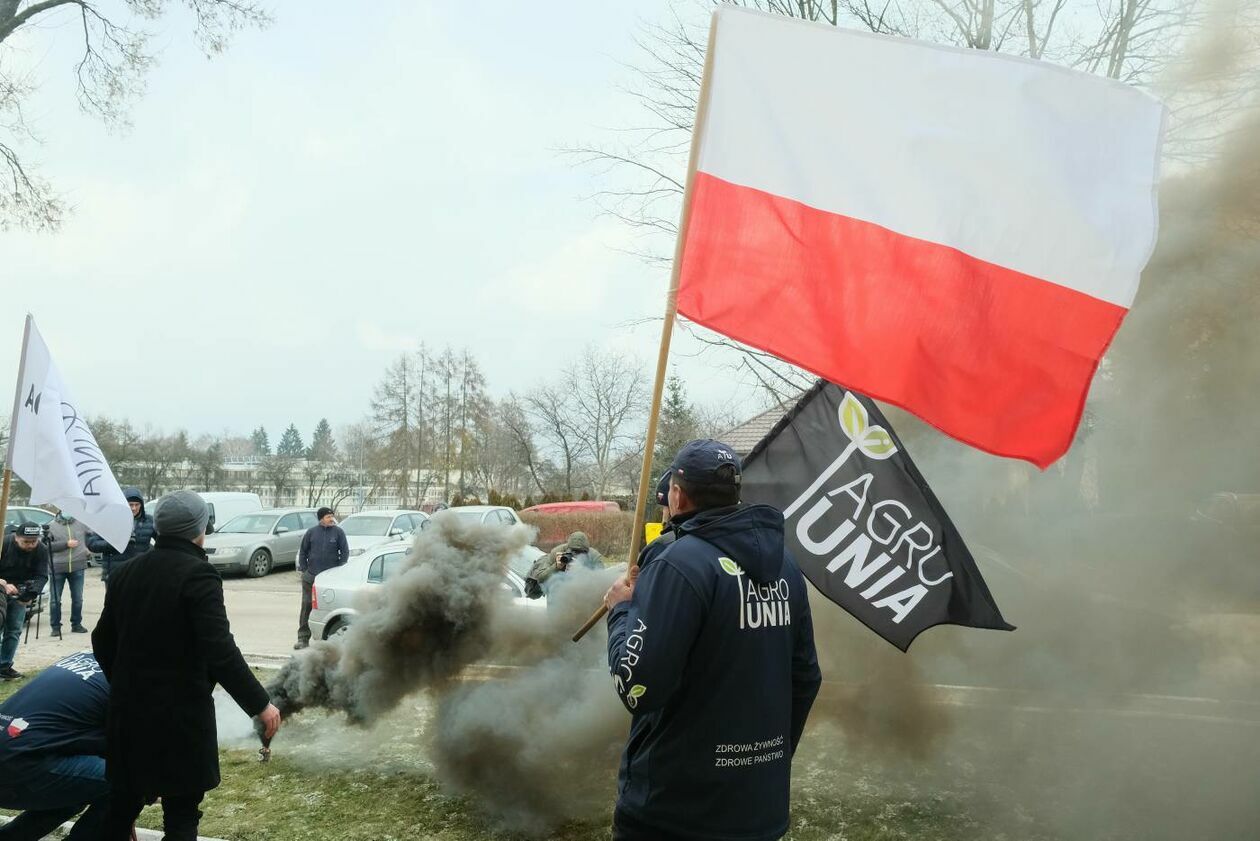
53, 451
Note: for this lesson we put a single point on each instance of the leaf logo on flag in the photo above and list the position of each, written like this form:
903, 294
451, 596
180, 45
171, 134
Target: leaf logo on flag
873, 440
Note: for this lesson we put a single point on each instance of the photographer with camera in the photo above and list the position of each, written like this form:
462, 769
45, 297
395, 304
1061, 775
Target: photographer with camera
24, 561
574, 551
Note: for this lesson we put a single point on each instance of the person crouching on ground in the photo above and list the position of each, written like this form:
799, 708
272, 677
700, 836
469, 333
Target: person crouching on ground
52, 747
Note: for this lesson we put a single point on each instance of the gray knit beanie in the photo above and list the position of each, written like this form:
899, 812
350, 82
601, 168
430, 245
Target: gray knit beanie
182, 514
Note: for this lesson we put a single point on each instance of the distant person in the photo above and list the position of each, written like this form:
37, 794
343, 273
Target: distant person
142, 536
24, 569
667, 535
70, 556
711, 650
164, 641
52, 749
576, 551
324, 546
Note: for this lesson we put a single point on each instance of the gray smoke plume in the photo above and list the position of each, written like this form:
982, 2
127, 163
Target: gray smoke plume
1126, 705
430, 622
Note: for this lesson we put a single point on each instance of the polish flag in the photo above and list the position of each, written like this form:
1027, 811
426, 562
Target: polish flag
956, 232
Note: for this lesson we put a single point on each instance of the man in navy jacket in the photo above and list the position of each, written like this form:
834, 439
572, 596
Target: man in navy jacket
711, 650
324, 546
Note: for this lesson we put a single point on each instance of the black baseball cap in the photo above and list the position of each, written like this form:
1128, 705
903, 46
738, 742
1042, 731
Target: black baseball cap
30, 530
704, 462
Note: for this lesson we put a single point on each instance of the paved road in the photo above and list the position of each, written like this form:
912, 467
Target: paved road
263, 612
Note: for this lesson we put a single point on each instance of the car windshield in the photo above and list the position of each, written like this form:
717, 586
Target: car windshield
366, 526
248, 524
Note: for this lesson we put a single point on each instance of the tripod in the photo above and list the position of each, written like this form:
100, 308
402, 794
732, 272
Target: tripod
37, 604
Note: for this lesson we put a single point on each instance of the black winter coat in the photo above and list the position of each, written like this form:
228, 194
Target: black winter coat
164, 642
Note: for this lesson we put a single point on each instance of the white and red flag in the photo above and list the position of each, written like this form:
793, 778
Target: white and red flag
956, 232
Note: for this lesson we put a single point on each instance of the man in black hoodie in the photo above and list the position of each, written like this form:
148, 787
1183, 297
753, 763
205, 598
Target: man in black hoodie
143, 535
712, 651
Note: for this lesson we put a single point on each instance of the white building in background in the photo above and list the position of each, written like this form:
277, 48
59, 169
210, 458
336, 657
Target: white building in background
312, 484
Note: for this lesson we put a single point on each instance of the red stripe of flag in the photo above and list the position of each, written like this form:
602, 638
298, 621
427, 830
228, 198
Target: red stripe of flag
1007, 371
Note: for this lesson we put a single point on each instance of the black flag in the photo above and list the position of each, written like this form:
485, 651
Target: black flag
862, 523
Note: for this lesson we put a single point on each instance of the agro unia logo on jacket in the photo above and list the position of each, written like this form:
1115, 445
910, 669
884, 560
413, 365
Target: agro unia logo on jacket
760, 605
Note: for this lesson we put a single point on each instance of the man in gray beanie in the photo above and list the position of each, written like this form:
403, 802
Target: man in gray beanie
164, 641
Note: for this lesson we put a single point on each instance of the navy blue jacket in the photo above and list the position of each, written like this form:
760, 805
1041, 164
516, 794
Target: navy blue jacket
714, 658
323, 547
61, 712
143, 536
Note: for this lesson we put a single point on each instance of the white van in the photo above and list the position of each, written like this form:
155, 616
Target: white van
224, 505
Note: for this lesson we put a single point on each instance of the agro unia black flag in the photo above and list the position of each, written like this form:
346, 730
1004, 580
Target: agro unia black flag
862, 523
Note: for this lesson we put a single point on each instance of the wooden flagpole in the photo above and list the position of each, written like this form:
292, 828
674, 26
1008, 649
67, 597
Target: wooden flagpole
667, 328
17, 402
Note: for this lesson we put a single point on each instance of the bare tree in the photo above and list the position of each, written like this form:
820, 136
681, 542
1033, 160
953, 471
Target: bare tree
158, 457
1137, 41
513, 417
612, 395
116, 56
400, 418
277, 471
500, 461
554, 410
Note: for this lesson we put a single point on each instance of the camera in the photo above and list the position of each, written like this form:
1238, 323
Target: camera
565, 558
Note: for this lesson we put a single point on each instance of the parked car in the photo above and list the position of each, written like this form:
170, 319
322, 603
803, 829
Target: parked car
486, 514
334, 592
259, 542
16, 515
368, 528
223, 505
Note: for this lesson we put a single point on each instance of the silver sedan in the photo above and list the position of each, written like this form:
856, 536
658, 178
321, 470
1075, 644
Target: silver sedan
333, 595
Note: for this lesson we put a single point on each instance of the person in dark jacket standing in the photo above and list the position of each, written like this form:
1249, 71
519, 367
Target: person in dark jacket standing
324, 546
712, 651
164, 641
143, 534
69, 557
52, 748
24, 565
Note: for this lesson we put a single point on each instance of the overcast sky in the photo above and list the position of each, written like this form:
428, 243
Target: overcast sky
283, 220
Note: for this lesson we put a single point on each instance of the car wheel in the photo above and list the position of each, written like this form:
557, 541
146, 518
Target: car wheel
338, 629
259, 564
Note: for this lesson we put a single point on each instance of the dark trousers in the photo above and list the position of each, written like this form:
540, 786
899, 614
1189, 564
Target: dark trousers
626, 828
53, 793
304, 618
75, 580
180, 816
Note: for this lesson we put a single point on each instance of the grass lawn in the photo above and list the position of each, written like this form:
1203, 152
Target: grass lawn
328, 782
